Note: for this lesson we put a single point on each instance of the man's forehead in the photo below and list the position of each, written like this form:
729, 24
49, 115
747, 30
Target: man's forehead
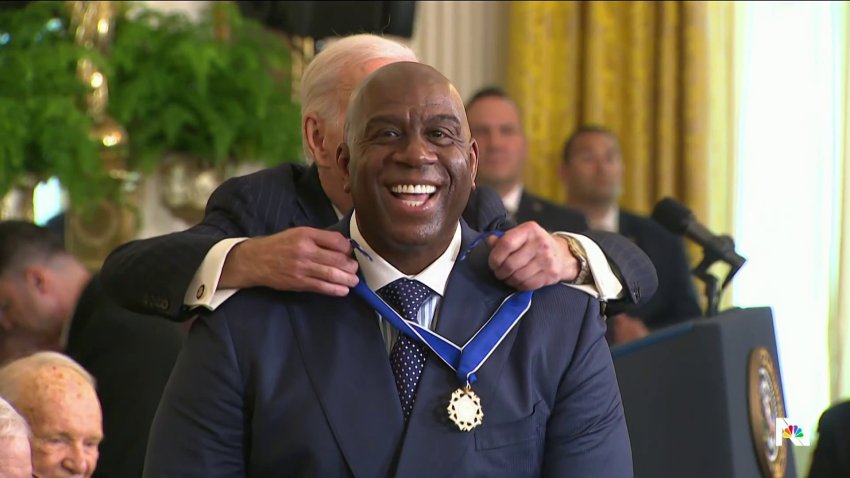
50, 381
597, 139
434, 102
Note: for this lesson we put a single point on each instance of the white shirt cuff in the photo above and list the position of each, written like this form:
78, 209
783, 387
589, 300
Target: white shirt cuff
605, 285
203, 290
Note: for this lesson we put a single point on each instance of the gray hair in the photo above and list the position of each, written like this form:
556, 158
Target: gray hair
12, 374
12, 424
323, 77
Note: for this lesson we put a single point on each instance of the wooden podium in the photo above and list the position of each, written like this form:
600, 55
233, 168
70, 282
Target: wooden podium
701, 399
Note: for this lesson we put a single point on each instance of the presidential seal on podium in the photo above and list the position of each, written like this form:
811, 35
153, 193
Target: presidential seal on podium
764, 397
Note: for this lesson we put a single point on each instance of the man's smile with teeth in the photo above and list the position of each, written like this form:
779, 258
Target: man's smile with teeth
414, 189
413, 195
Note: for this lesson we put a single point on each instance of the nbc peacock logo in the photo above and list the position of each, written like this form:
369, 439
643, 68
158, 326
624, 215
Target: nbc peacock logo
786, 429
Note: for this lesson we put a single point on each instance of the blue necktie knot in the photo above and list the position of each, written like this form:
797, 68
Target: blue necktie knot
406, 296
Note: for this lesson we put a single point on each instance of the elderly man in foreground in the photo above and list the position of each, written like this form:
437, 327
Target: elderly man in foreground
58, 399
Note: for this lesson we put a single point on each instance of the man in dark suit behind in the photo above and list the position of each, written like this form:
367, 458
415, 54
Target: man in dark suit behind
265, 229
831, 458
49, 301
298, 384
495, 122
592, 169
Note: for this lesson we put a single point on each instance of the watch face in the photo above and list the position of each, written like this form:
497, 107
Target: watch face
581, 256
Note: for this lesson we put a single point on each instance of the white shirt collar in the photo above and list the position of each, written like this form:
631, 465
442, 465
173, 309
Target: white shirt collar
378, 272
610, 221
512, 199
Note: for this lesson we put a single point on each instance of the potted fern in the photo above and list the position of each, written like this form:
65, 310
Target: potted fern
199, 97
214, 93
217, 89
44, 128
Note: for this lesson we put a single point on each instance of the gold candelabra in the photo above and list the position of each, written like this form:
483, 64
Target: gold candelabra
93, 23
92, 238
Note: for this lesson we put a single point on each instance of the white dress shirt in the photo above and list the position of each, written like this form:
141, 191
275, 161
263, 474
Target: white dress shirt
610, 221
512, 200
378, 272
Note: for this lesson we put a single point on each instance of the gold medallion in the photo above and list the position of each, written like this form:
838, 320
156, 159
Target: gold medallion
465, 409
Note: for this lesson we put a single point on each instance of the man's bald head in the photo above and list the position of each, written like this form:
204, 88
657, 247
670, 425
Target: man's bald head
57, 397
394, 82
38, 373
409, 162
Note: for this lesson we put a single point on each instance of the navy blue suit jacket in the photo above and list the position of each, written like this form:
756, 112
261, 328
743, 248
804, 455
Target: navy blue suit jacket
130, 356
549, 215
152, 275
675, 299
297, 384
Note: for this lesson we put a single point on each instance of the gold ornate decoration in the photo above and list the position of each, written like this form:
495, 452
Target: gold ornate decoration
765, 402
93, 25
465, 409
186, 184
92, 238
17, 203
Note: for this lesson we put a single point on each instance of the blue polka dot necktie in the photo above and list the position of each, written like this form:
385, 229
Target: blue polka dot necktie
407, 357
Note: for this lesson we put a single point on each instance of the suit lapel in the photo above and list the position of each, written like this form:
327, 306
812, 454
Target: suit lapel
347, 362
345, 356
315, 209
432, 442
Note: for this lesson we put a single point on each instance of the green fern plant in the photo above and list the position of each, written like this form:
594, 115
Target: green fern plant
174, 85
178, 87
44, 129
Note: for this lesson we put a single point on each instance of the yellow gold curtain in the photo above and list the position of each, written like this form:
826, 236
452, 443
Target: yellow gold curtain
839, 323
645, 70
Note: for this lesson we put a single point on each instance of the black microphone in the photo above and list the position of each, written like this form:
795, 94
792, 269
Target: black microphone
681, 221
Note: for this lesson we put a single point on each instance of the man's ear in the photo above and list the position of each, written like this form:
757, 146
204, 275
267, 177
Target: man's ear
343, 159
473, 161
563, 173
35, 277
313, 129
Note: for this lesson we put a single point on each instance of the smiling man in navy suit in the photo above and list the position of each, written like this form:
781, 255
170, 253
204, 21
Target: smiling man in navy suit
300, 384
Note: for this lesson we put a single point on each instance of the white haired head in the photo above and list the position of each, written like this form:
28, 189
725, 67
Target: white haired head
324, 90
15, 452
12, 424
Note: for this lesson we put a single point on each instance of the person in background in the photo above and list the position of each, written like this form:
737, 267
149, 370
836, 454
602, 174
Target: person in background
592, 171
58, 399
50, 301
494, 119
831, 458
15, 460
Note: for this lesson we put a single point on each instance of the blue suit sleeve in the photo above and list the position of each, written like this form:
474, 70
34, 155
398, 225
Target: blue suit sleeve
633, 267
586, 433
198, 430
151, 275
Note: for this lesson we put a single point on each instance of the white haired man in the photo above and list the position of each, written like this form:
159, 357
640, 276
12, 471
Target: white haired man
57, 397
267, 228
15, 461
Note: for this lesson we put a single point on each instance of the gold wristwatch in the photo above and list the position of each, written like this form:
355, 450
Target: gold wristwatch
578, 252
